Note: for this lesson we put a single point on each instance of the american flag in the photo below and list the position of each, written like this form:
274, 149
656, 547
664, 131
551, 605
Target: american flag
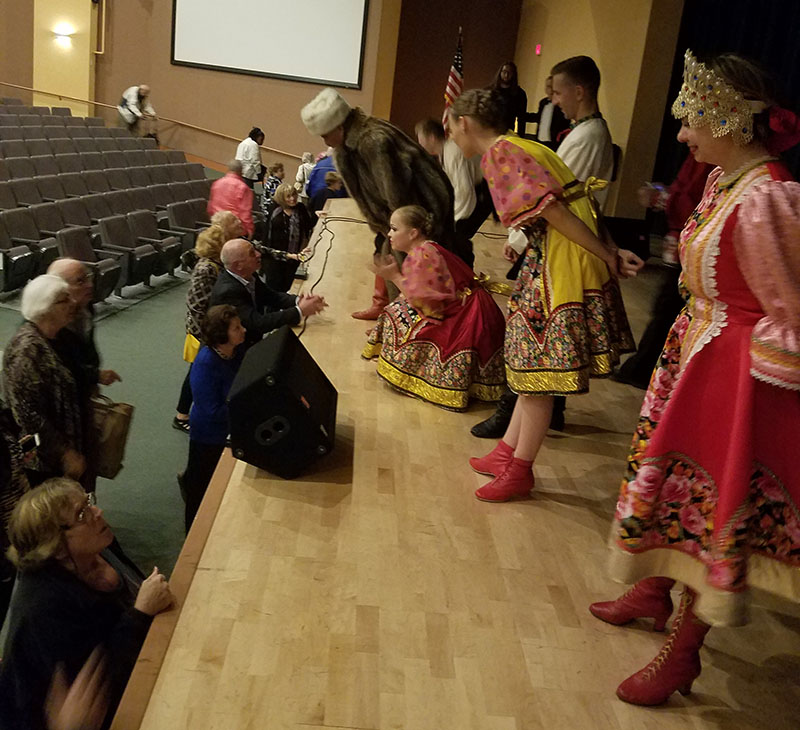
455, 81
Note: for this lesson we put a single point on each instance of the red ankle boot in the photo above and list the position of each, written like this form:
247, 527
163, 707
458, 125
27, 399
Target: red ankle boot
676, 666
380, 298
495, 461
649, 598
515, 481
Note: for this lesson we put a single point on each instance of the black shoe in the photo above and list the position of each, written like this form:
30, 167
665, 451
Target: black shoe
557, 421
493, 427
180, 425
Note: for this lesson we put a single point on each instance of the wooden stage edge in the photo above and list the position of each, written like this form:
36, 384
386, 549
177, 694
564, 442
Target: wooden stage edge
134, 702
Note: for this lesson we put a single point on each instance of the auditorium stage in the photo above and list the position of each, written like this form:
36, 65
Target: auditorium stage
377, 592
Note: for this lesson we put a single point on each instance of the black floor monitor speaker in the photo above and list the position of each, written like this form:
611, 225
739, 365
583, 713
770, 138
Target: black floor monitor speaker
282, 407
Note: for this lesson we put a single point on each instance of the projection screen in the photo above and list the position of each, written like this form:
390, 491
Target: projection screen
318, 41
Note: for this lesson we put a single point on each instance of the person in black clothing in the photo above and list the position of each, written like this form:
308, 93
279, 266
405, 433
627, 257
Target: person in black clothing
260, 308
333, 189
512, 97
550, 120
289, 230
76, 347
73, 595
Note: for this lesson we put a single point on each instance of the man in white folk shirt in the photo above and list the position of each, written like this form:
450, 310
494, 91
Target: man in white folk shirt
249, 154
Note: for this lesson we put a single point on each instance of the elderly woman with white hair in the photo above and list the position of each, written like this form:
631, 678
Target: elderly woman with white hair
40, 389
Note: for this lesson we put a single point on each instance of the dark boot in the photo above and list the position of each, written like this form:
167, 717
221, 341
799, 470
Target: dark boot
495, 426
557, 419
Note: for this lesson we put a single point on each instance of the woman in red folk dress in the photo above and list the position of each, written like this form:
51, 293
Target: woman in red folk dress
712, 490
442, 339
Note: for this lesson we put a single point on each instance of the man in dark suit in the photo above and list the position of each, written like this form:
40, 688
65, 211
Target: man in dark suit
551, 121
260, 308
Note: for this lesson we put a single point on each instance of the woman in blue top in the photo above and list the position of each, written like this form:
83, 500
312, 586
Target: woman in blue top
212, 374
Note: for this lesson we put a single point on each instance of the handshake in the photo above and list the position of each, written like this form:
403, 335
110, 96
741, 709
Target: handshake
310, 304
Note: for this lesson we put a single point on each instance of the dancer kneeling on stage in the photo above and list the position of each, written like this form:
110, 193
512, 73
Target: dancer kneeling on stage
442, 339
566, 321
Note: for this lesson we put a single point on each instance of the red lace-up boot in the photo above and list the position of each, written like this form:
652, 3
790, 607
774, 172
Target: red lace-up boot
676, 666
649, 598
515, 481
380, 298
495, 462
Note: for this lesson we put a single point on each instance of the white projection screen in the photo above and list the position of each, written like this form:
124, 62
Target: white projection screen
319, 41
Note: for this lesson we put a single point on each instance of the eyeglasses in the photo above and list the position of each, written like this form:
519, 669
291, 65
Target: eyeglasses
80, 518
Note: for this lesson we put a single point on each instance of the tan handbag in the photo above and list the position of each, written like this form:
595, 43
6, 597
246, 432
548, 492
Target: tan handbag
112, 422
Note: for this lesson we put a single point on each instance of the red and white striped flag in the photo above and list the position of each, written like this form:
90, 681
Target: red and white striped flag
455, 81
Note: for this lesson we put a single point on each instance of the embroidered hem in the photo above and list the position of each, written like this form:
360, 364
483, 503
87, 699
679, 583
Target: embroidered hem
559, 382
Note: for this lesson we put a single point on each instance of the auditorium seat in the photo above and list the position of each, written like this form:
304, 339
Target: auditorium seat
147, 143
76, 132
96, 181
128, 143
195, 171
20, 167
56, 133
30, 120
144, 226
177, 173
94, 122
13, 148
76, 243
10, 100
51, 188
114, 158
74, 212
118, 178
118, 132
51, 120
100, 132
45, 165
180, 191
140, 260
182, 217
92, 161
48, 219
7, 199
4, 171
11, 133
25, 191
97, 206
22, 230
157, 157
38, 147
62, 111
17, 108
106, 144
119, 202
69, 162
139, 176
40, 110
136, 158
85, 144
35, 132
200, 188
17, 263
142, 199
74, 122
175, 156
62, 145
73, 184
162, 195
159, 174
9, 120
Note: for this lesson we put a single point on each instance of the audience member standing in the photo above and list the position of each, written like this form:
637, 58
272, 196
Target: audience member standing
301, 178
260, 308
212, 375
383, 169
275, 178
136, 111
289, 230
40, 388
334, 187
551, 121
232, 192
512, 96
324, 165
249, 154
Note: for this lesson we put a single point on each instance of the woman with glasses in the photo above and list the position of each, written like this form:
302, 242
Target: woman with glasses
73, 596
40, 388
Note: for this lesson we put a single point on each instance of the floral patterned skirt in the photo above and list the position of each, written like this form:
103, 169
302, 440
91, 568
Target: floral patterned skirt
440, 362
712, 489
566, 320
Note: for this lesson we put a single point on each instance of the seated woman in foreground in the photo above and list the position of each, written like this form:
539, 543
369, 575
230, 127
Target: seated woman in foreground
442, 339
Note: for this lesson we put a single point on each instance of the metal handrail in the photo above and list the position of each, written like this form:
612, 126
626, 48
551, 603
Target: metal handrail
162, 119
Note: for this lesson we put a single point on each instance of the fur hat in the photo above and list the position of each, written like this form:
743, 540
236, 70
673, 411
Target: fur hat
326, 111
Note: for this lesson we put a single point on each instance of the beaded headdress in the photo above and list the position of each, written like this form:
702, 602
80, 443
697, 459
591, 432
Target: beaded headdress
707, 100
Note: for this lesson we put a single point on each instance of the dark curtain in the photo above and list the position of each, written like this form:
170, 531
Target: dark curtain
765, 31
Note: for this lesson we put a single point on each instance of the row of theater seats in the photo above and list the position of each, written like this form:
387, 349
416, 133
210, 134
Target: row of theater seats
40, 132
67, 145
11, 118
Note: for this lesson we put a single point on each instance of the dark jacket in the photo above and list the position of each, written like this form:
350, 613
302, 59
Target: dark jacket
270, 310
279, 229
514, 101
56, 618
558, 122
384, 169
211, 377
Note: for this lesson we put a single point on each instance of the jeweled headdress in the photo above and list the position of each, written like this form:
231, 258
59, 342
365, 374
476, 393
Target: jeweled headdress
707, 100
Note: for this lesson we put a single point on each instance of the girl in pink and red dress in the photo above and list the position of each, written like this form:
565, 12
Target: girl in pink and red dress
442, 339
566, 322
711, 497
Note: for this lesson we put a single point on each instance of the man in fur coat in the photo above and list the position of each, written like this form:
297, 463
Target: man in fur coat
383, 169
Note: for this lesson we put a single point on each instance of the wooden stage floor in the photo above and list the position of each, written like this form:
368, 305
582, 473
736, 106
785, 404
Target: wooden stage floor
378, 593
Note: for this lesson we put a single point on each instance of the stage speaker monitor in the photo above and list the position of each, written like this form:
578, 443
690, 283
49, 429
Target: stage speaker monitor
282, 406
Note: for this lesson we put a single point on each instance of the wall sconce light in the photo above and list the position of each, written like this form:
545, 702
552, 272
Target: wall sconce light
63, 34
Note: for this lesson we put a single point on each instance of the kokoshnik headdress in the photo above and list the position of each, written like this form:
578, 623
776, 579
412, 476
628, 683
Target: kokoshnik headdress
705, 99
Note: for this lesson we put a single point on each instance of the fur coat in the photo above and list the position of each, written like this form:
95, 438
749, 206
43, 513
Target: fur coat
383, 169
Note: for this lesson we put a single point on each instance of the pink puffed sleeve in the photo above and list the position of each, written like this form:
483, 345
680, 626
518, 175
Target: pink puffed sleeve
767, 243
521, 188
427, 282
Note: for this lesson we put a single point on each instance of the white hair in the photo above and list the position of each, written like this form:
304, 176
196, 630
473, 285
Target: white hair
308, 157
40, 294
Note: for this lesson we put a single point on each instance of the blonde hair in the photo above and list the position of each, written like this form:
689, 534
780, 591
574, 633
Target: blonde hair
229, 222
282, 192
36, 527
415, 216
209, 242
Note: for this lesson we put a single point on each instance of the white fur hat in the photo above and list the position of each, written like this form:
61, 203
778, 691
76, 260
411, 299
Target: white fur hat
326, 111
